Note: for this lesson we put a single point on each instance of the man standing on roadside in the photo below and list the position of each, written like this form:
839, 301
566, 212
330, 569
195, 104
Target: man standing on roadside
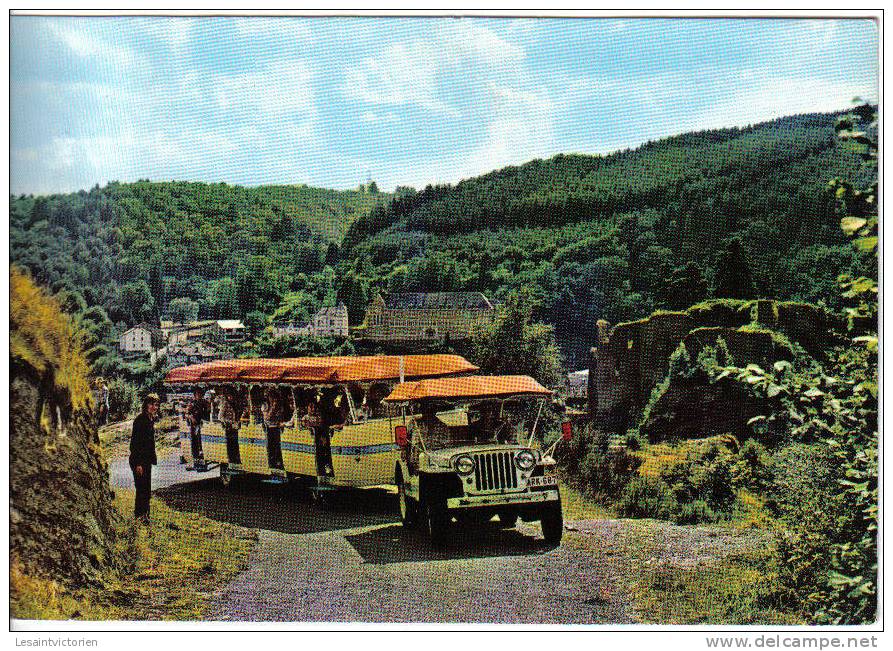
142, 455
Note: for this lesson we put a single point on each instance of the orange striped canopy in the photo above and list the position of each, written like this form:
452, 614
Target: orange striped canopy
468, 387
319, 370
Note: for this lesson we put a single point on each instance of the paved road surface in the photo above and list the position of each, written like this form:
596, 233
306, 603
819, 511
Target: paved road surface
354, 562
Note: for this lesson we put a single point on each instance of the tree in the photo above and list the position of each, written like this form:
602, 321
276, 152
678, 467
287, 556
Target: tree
182, 310
685, 286
733, 279
513, 345
255, 322
831, 558
135, 302
222, 298
354, 293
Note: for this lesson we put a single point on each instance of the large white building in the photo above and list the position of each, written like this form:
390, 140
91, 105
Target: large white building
141, 338
420, 316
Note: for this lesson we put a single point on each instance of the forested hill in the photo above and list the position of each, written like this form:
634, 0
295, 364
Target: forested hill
734, 212
146, 249
731, 212
725, 173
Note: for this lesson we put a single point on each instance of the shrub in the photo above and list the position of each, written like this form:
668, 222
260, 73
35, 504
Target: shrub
645, 497
607, 469
752, 468
694, 513
123, 399
727, 312
704, 474
634, 440
680, 362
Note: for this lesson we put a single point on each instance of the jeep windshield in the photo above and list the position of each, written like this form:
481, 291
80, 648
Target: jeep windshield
468, 425
479, 411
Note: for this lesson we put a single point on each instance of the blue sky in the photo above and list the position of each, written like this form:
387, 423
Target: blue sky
407, 101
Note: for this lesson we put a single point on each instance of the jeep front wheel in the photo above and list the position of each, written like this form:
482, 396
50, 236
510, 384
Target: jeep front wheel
507, 519
436, 522
552, 522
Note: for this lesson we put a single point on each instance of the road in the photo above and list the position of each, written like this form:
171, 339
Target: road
353, 562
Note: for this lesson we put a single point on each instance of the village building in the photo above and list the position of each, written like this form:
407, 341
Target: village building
327, 322
417, 316
140, 339
193, 353
577, 387
228, 331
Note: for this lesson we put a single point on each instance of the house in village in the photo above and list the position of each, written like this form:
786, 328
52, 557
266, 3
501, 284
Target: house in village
327, 322
416, 316
576, 387
198, 352
229, 331
226, 331
141, 339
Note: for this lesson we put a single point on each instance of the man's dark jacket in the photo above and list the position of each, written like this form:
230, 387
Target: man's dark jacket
142, 442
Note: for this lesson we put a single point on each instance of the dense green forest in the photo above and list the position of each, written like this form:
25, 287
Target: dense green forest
736, 213
740, 213
126, 253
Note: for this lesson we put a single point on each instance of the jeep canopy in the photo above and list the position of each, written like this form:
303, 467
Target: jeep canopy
471, 387
321, 370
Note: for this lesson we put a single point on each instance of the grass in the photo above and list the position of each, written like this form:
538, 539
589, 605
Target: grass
576, 506
164, 571
741, 589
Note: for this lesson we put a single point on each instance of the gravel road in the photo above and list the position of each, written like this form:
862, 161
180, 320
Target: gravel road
353, 562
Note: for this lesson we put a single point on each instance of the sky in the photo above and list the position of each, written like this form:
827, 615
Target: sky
333, 102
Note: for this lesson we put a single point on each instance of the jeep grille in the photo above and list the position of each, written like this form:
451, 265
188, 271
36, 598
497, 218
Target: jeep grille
494, 471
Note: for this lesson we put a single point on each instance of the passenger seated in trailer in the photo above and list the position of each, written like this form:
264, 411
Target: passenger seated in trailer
316, 422
197, 411
374, 397
228, 415
274, 416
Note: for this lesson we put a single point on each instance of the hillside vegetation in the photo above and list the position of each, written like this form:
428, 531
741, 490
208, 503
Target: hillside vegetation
739, 213
134, 249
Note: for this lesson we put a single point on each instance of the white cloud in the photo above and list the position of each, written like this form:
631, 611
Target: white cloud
78, 36
280, 88
415, 72
272, 29
469, 74
403, 74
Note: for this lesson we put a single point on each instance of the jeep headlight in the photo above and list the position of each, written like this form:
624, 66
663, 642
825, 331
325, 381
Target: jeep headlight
525, 460
464, 464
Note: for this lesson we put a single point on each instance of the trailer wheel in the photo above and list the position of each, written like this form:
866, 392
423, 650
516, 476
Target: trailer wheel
408, 506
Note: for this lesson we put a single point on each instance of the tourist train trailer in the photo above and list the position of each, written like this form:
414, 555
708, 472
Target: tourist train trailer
359, 445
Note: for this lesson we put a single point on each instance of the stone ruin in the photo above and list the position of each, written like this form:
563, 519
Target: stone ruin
631, 358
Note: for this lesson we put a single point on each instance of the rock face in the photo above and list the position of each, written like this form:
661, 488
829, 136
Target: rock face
61, 513
61, 516
632, 358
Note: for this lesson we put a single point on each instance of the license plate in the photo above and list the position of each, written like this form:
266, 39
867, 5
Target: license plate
540, 482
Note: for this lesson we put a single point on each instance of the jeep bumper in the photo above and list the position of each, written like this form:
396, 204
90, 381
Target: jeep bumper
507, 499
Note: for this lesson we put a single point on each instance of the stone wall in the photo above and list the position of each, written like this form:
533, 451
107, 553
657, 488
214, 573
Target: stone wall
631, 358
